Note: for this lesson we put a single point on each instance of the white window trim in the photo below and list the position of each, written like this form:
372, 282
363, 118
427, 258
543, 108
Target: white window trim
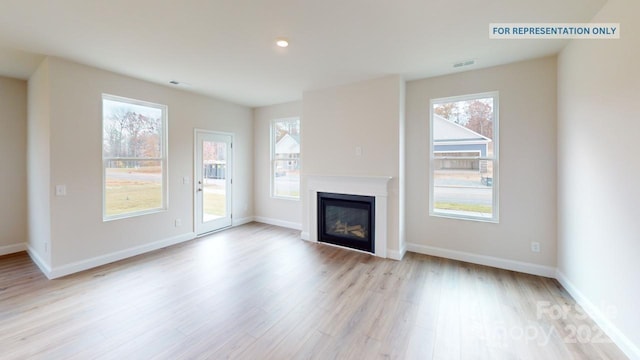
272, 151
495, 218
164, 159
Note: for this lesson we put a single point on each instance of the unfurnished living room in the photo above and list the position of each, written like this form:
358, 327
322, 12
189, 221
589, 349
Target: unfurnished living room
319, 179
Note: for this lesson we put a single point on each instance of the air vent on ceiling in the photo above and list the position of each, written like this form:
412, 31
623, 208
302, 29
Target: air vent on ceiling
464, 63
179, 83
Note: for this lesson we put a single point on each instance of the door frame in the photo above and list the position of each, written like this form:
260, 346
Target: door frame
230, 172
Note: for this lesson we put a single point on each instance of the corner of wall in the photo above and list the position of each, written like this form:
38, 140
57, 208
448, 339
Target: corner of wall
597, 185
13, 141
402, 191
267, 209
38, 166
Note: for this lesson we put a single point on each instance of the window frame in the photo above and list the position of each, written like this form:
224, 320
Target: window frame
163, 159
495, 218
272, 159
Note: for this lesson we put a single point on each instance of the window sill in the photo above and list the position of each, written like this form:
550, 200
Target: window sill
288, 198
458, 216
132, 214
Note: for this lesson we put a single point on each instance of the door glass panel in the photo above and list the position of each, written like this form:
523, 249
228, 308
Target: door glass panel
214, 171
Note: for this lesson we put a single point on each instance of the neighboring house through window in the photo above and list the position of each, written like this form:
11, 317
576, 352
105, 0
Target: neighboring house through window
464, 157
285, 158
134, 157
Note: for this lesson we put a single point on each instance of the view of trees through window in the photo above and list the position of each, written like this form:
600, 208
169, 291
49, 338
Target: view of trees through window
476, 115
285, 158
133, 156
464, 156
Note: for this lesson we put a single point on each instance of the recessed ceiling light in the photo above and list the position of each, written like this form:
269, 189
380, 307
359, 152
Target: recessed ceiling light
282, 42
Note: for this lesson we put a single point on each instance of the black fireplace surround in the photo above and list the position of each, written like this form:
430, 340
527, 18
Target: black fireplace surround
347, 220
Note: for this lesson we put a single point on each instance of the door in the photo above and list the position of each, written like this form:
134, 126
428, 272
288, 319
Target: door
213, 180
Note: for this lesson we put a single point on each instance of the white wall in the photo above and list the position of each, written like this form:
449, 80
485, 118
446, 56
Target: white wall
365, 114
78, 234
599, 172
39, 166
527, 92
270, 210
13, 165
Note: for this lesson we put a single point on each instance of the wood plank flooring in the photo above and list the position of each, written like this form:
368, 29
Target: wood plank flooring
258, 292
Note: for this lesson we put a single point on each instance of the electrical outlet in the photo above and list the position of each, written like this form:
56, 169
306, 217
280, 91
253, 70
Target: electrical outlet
61, 190
178, 222
535, 246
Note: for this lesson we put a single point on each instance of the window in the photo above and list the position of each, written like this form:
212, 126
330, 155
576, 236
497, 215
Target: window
134, 157
285, 158
464, 157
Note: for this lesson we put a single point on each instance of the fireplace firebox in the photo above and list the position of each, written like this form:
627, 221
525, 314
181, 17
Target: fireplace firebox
347, 220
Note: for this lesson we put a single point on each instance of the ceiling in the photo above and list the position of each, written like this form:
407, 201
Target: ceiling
226, 49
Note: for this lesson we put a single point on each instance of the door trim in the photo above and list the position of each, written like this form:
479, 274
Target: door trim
194, 184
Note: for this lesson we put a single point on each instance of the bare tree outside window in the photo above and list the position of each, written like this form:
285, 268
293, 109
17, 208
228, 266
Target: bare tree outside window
134, 156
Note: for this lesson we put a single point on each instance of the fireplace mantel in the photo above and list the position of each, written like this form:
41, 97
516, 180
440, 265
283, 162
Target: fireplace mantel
377, 186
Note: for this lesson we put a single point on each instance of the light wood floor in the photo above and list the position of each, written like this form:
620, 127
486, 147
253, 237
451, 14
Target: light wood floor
258, 292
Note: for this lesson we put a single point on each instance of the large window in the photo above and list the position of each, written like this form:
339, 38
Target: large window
285, 158
464, 157
134, 157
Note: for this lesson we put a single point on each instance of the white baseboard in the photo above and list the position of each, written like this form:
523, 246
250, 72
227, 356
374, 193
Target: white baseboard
242, 221
78, 266
528, 268
12, 249
40, 263
394, 255
621, 340
277, 222
397, 255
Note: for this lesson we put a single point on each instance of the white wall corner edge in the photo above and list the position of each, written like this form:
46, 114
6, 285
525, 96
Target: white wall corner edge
82, 265
40, 263
242, 221
12, 249
397, 255
618, 337
278, 222
506, 264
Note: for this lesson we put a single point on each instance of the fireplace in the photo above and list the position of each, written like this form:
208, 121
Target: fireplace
347, 220
376, 187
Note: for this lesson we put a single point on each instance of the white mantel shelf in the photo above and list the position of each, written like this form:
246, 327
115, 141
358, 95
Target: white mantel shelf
376, 186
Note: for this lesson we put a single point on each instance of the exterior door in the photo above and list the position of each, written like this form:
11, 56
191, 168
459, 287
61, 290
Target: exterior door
213, 180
